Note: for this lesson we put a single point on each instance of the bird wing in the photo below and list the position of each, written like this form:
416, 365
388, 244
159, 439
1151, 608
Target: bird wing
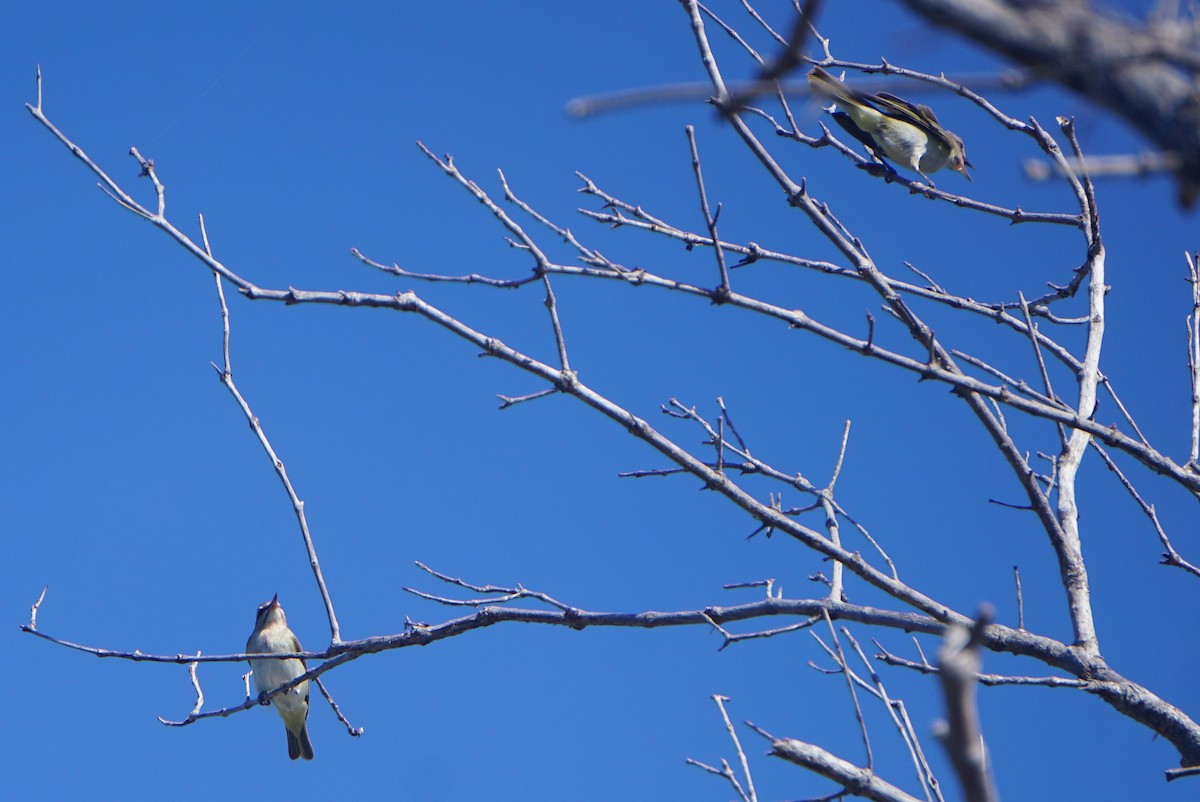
296, 647
847, 123
918, 114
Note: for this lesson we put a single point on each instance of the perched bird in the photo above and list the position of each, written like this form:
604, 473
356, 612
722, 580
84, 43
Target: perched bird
271, 634
904, 132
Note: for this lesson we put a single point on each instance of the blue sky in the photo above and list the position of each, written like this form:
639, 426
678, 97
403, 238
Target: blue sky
133, 487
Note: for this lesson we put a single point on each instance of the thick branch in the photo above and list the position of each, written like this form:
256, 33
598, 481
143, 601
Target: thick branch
855, 779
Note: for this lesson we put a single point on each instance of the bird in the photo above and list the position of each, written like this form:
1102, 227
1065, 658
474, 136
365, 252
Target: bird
908, 133
271, 635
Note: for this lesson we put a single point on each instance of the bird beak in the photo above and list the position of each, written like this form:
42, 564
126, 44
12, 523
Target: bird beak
275, 598
962, 168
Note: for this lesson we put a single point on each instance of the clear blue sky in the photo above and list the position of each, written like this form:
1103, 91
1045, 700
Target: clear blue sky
132, 485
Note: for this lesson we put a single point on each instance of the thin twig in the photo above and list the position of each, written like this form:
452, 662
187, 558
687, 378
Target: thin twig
710, 220
1041, 363
1193, 341
1170, 555
33, 610
898, 712
337, 710
471, 278
858, 713
1020, 598
750, 793
509, 401
226, 376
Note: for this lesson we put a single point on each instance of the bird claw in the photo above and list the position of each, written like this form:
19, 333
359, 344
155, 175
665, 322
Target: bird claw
880, 170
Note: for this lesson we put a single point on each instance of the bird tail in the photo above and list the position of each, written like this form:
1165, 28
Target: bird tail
822, 83
298, 744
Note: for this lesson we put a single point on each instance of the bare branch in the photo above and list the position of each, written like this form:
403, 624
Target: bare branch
33, 610
724, 772
860, 781
1170, 556
226, 377
960, 660
858, 714
1020, 598
710, 220
199, 695
513, 400
472, 278
751, 796
1193, 330
1066, 540
898, 712
337, 710
924, 667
